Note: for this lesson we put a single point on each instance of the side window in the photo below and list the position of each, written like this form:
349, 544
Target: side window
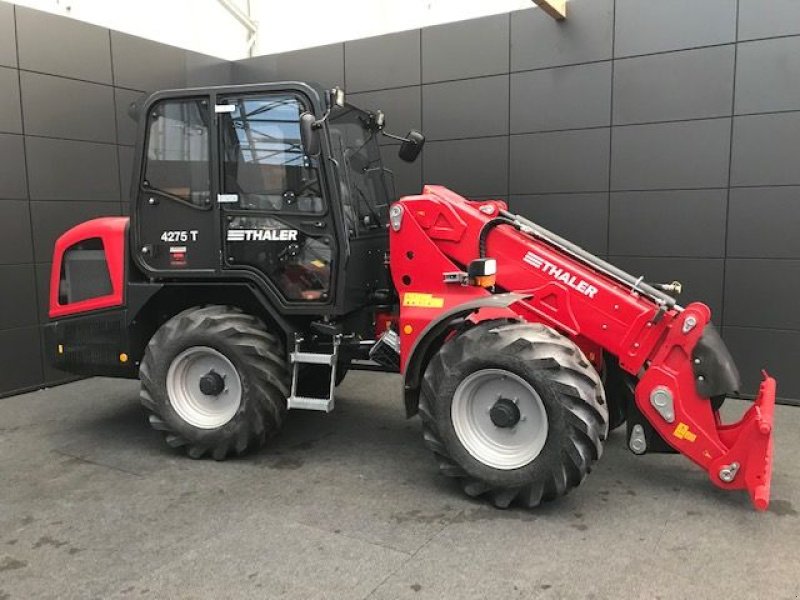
178, 151
264, 165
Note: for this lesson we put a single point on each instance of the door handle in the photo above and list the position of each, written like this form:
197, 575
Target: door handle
317, 224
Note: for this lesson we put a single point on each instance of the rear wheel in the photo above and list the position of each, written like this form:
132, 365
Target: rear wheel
215, 381
515, 411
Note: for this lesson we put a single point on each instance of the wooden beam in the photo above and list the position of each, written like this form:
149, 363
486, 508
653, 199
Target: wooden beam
555, 8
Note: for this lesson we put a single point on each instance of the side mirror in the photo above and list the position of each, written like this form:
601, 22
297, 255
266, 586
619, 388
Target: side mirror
309, 134
411, 146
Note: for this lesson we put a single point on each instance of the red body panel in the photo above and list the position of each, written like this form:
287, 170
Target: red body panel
439, 232
112, 232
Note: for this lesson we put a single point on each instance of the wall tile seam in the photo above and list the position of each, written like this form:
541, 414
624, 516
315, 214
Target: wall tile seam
732, 42
33, 325
766, 113
731, 144
71, 139
610, 173
653, 189
752, 186
767, 38
20, 327
74, 200
718, 257
67, 77
760, 328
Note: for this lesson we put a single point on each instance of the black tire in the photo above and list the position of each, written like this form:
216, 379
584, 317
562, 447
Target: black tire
620, 390
569, 388
260, 363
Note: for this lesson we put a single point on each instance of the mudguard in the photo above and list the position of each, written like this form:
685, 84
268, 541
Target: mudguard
429, 340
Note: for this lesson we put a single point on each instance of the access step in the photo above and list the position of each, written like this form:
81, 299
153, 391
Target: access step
313, 358
306, 403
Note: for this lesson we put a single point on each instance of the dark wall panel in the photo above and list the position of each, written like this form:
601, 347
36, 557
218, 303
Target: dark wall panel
656, 223
20, 355
16, 246
449, 51
758, 19
386, 61
557, 213
65, 47
768, 65
323, 64
762, 293
70, 170
471, 167
8, 35
765, 150
561, 98
762, 222
67, 108
689, 154
536, 42
647, 26
12, 167
140, 64
18, 300
563, 161
777, 351
692, 84
125, 155
10, 111
467, 108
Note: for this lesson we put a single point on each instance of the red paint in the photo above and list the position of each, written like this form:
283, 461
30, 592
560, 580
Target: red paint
113, 232
439, 233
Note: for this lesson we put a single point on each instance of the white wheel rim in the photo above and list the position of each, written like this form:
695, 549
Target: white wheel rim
505, 448
204, 411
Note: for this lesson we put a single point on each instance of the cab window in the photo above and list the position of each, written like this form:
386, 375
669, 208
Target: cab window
177, 162
264, 166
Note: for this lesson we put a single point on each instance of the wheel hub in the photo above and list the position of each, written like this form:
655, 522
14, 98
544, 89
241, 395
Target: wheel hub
204, 387
499, 418
212, 383
504, 413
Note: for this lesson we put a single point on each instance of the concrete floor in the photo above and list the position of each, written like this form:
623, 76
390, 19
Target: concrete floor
350, 505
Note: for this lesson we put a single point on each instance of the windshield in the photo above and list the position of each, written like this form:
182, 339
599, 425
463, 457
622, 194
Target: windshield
366, 186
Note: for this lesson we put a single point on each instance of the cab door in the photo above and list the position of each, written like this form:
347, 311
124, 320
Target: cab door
276, 224
176, 221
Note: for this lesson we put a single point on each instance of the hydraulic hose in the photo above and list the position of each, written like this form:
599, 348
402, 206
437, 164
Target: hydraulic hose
487, 228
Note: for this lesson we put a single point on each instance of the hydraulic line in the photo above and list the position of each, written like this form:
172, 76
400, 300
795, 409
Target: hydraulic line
529, 227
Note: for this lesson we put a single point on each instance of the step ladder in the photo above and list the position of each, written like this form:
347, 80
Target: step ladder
298, 358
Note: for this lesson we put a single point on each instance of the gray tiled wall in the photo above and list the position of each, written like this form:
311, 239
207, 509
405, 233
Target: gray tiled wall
66, 146
669, 143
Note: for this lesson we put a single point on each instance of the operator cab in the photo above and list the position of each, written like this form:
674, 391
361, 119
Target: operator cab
281, 185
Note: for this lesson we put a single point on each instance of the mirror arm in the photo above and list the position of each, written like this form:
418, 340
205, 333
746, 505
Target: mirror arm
399, 138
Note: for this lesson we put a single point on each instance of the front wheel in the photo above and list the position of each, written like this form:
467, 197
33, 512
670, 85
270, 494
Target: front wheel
515, 411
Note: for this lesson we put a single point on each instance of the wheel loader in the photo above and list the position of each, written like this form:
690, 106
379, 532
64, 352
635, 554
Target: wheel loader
266, 254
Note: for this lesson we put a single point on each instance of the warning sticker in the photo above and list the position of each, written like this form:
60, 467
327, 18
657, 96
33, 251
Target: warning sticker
682, 433
422, 300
